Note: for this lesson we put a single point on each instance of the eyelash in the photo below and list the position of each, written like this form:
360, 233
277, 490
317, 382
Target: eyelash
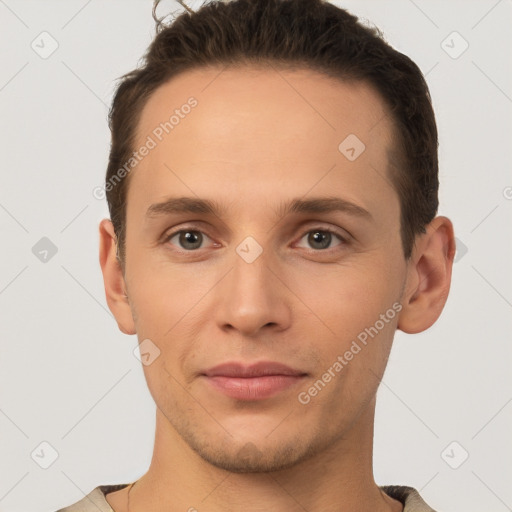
344, 241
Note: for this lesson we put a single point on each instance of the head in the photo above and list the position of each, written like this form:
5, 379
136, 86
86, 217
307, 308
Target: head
265, 114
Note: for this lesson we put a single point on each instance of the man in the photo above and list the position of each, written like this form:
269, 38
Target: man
272, 186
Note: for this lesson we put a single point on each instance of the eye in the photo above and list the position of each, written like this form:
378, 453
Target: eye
188, 239
321, 238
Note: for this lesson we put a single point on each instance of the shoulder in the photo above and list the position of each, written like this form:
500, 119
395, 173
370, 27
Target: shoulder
94, 501
408, 496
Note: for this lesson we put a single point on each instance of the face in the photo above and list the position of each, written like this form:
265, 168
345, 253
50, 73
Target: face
316, 287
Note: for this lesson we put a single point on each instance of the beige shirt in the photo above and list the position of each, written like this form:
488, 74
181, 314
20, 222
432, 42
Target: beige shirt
95, 501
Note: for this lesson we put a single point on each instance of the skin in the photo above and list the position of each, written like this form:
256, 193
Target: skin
260, 137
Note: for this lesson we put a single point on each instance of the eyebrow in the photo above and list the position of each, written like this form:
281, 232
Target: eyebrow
297, 205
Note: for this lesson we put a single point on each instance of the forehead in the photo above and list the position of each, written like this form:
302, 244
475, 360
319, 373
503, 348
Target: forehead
254, 125
268, 93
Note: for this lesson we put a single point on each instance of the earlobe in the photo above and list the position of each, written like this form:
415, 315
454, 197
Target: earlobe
428, 278
113, 279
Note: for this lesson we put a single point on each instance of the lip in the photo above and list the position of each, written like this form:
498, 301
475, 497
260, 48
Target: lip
261, 369
254, 382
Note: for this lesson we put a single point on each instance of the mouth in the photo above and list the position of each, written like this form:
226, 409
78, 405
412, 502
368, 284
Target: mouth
254, 382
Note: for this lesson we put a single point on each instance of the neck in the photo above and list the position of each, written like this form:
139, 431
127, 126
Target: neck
335, 479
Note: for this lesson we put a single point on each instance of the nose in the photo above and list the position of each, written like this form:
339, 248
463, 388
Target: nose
253, 297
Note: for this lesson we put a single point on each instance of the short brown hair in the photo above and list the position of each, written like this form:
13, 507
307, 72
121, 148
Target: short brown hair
307, 34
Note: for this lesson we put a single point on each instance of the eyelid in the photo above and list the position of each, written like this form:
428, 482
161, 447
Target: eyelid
338, 232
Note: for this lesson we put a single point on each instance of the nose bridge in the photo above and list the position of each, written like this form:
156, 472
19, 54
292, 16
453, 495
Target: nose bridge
252, 297
250, 266
251, 275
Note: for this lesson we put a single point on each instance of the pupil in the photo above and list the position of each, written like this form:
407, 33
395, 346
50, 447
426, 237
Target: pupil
188, 237
322, 237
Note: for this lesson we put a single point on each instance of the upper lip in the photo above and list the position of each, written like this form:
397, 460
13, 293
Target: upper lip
260, 369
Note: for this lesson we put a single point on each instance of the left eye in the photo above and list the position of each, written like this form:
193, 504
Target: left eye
321, 238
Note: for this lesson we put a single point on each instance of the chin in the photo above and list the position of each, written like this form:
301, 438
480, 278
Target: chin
261, 455
250, 459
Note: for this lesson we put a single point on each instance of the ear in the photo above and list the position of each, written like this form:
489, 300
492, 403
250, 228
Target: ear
429, 277
113, 279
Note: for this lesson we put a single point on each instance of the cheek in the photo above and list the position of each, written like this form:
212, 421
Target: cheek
168, 305
356, 312
162, 290
347, 298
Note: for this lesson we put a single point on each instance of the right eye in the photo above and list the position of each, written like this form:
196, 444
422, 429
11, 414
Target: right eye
187, 239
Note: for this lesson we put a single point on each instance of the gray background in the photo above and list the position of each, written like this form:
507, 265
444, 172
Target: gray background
69, 378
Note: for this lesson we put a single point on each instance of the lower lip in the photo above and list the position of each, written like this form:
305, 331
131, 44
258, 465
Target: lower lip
253, 388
